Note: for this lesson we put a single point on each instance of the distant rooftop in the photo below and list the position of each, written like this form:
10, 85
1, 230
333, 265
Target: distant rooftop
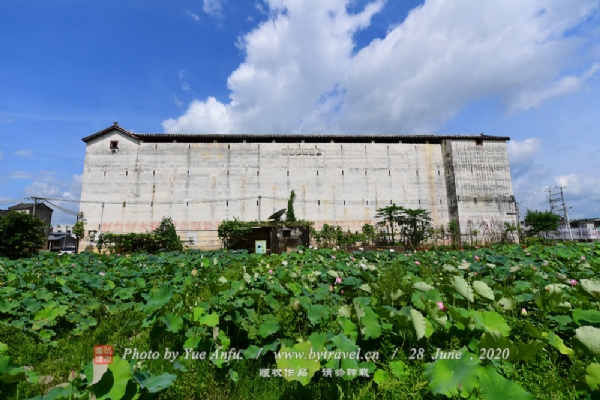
289, 138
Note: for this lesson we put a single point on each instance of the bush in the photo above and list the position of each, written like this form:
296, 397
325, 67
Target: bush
162, 238
21, 235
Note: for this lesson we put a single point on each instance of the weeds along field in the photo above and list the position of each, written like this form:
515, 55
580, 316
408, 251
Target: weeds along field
493, 323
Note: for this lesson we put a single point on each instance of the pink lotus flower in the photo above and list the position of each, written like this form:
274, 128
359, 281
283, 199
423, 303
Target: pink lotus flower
582, 258
338, 280
417, 262
476, 258
573, 282
351, 258
476, 247
342, 291
72, 265
333, 257
474, 273
270, 271
331, 288
523, 312
441, 306
102, 274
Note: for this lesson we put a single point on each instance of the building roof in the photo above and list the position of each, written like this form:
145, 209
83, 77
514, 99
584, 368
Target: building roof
314, 138
27, 206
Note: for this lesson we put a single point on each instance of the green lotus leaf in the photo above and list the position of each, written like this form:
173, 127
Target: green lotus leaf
592, 316
463, 288
155, 383
252, 352
318, 340
418, 323
49, 313
156, 300
381, 376
345, 311
555, 341
395, 295
591, 286
491, 321
316, 312
454, 376
592, 376
349, 328
269, 326
589, 337
422, 286
7, 306
555, 287
173, 322
399, 369
343, 343
370, 327
507, 304
482, 289
494, 386
211, 319
113, 383
299, 362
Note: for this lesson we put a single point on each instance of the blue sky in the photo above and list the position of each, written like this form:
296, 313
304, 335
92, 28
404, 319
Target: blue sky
527, 70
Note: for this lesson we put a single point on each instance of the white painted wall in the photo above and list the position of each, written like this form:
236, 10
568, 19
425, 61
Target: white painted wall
200, 184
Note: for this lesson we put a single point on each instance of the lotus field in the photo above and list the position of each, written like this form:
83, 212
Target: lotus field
505, 322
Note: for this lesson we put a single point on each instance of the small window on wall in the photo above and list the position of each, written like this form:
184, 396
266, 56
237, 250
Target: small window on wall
479, 142
114, 145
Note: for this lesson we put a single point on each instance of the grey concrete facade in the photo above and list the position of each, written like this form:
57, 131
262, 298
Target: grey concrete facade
132, 180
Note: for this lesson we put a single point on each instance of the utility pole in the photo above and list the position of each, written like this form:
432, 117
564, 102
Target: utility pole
558, 206
35, 200
101, 218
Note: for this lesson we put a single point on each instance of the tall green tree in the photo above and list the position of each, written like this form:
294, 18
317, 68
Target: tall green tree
290, 215
540, 222
167, 236
21, 235
79, 232
390, 216
415, 226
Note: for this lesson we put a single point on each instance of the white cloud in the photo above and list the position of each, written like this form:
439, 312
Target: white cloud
213, 8
303, 72
568, 84
523, 151
55, 188
177, 102
23, 153
194, 16
19, 175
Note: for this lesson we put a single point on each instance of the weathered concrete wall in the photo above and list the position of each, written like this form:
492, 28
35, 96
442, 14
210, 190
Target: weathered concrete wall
479, 184
200, 184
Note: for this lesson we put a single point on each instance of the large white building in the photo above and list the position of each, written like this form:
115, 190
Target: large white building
132, 180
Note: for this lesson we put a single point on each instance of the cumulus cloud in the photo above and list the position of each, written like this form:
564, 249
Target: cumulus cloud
523, 151
213, 8
23, 153
195, 17
303, 72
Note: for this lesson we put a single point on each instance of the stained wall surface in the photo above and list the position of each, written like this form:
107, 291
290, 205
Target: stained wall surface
199, 185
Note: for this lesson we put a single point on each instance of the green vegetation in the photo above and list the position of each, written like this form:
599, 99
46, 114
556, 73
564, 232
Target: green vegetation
540, 222
507, 322
164, 237
21, 235
290, 215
